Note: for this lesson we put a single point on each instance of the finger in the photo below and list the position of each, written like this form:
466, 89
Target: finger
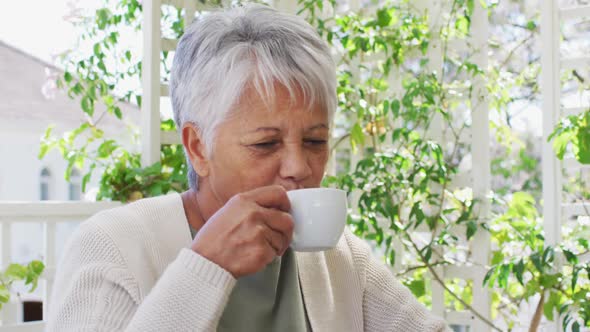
273, 196
280, 222
274, 239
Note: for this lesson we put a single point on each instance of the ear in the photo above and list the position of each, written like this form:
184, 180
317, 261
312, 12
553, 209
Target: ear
195, 148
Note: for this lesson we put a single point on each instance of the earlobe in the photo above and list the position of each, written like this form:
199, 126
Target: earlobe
195, 148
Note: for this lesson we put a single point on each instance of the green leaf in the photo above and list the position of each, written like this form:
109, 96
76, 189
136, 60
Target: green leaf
428, 254
102, 18
536, 259
96, 50
357, 136
48, 132
518, 270
549, 280
383, 17
471, 229
503, 275
108, 100
488, 277
87, 105
497, 257
395, 106
101, 66
462, 25
576, 327
36, 267
45, 144
575, 273
418, 287
4, 295
391, 257
16, 272
85, 181
548, 255
470, 7
106, 148
582, 149
560, 143
531, 25
385, 107
550, 305
67, 77
570, 256
566, 319
118, 112
114, 37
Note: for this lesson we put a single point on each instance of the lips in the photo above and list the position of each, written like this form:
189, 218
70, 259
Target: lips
291, 186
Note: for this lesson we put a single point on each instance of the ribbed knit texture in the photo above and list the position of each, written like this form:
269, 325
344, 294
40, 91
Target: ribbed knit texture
130, 269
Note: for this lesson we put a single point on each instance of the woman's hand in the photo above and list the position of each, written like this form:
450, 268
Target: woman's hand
248, 232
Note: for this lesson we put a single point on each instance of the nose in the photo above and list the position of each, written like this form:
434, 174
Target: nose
295, 165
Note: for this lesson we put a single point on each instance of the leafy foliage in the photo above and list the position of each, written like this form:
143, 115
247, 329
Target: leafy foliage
29, 274
573, 131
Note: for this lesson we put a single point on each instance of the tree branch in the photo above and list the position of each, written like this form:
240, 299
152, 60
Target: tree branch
538, 314
442, 283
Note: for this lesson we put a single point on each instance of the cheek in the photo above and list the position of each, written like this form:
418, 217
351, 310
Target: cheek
318, 162
262, 171
241, 171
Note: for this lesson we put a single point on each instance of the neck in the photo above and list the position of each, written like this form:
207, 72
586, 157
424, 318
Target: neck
192, 209
199, 206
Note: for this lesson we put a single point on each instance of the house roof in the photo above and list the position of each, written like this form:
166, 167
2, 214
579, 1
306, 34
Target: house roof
24, 105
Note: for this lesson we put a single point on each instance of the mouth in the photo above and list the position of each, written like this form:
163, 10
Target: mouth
292, 186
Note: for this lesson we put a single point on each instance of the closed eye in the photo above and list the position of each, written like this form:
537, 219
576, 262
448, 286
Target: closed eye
265, 145
315, 142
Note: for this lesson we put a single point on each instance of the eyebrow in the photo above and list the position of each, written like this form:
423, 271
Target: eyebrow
318, 126
274, 129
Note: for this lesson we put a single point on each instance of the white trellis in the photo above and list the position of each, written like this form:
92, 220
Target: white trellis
555, 211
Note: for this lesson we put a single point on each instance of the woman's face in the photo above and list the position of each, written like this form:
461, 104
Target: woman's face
262, 144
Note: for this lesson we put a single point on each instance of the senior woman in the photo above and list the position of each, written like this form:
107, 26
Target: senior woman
253, 91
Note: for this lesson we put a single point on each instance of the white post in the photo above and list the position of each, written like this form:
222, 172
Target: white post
435, 58
190, 7
550, 91
150, 108
287, 6
49, 229
435, 63
8, 314
480, 150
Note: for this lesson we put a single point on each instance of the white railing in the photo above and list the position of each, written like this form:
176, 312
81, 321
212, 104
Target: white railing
555, 211
49, 214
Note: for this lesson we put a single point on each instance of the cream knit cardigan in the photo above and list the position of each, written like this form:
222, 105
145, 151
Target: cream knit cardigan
130, 269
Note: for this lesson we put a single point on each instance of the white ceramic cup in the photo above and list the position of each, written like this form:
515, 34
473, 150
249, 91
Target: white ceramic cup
319, 215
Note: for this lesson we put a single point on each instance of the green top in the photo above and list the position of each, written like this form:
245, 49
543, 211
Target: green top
269, 300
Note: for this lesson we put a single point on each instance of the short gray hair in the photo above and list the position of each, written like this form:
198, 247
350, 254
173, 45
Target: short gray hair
222, 52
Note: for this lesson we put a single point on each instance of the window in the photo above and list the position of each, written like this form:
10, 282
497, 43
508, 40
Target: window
75, 186
44, 184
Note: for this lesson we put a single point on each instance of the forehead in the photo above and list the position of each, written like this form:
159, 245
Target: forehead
254, 108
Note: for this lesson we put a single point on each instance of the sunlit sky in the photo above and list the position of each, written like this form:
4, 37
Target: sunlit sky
37, 27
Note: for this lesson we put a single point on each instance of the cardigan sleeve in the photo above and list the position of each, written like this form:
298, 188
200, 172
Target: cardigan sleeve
387, 304
95, 291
